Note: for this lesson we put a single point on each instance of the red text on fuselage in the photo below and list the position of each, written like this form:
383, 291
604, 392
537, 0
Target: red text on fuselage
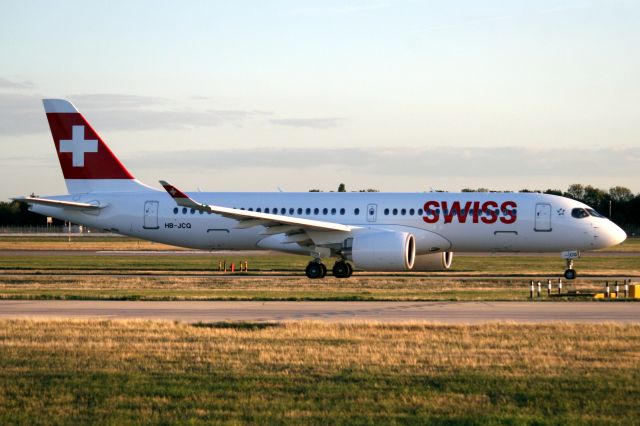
474, 211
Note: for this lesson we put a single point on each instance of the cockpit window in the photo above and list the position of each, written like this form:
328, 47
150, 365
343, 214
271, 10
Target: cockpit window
579, 213
594, 213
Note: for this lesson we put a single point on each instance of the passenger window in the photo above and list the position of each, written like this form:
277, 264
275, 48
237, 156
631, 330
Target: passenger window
175, 210
333, 211
308, 211
283, 210
266, 210
184, 210
419, 212
386, 212
250, 209
193, 211
403, 212
342, 211
291, 210
299, 210
411, 211
325, 211
316, 210
395, 212
356, 212
259, 210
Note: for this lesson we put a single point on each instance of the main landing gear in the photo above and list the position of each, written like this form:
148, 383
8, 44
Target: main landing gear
316, 269
342, 269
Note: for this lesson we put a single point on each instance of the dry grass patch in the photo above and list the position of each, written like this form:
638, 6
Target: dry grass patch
268, 288
125, 371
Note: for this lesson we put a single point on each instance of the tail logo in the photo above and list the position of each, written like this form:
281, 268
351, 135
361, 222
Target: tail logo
78, 146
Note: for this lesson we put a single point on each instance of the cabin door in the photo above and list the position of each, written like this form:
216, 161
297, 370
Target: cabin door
151, 215
543, 217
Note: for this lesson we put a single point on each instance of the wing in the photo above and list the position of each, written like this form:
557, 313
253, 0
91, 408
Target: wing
297, 229
58, 203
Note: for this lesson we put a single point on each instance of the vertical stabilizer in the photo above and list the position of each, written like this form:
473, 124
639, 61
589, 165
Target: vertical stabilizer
88, 165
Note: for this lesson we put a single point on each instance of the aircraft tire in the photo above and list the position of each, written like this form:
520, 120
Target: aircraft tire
315, 270
570, 274
342, 269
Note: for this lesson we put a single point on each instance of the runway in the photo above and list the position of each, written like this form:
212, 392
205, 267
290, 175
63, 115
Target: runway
437, 312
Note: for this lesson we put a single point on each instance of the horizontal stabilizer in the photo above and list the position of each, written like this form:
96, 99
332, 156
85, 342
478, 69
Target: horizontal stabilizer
59, 203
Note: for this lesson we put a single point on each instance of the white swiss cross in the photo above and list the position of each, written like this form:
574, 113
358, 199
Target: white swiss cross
78, 146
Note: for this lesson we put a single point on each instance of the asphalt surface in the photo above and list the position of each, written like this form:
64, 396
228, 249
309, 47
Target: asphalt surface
438, 312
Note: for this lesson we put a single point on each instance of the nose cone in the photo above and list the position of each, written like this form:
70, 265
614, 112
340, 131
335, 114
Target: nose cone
613, 235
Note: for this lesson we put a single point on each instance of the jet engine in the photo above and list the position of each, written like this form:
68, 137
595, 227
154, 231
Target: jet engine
382, 251
440, 261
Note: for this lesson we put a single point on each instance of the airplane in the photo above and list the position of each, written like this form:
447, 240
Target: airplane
371, 231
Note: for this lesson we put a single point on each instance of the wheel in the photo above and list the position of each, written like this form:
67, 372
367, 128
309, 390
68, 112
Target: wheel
341, 269
570, 274
314, 270
350, 269
324, 270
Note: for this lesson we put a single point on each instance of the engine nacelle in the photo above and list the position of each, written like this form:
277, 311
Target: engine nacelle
440, 261
383, 251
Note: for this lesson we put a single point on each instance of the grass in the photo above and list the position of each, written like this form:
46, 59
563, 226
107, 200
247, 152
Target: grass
79, 242
207, 263
273, 288
175, 276
116, 242
131, 372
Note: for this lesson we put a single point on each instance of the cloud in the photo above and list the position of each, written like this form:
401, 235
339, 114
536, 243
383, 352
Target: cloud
22, 114
8, 84
116, 101
132, 112
468, 162
312, 123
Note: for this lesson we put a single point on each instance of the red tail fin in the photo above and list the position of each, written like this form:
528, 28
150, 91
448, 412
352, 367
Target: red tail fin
88, 165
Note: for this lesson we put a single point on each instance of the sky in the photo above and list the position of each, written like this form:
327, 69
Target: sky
293, 95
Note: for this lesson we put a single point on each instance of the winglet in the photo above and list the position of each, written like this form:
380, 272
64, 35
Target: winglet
183, 199
172, 190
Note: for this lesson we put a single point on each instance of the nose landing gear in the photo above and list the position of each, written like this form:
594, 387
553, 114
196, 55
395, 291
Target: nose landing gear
569, 256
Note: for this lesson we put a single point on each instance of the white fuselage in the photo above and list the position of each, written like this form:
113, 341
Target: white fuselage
528, 222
